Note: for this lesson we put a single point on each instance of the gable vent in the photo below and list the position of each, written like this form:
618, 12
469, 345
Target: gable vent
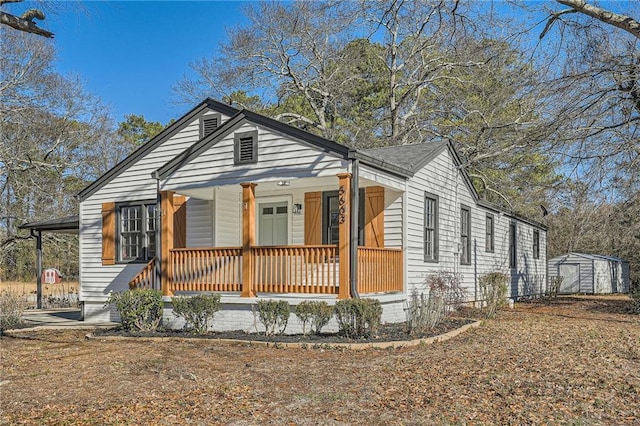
246, 147
209, 125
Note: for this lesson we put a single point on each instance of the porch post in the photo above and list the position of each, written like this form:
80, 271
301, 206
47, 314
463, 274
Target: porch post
248, 236
166, 240
344, 235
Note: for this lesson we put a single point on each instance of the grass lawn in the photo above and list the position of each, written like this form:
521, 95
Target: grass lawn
574, 361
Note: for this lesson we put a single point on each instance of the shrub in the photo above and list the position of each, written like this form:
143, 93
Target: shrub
197, 311
318, 313
12, 305
554, 286
634, 292
358, 318
274, 315
424, 312
493, 287
139, 309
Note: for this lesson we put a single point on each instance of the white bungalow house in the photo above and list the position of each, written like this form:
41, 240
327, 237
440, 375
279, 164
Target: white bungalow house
229, 201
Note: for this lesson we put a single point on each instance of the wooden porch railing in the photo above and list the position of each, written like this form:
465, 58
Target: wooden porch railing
146, 278
379, 270
277, 269
295, 269
206, 269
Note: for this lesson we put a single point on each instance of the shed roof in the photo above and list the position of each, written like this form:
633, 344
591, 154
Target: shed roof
66, 224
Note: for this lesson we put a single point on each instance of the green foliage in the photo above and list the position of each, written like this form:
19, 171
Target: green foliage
197, 311
318, 313
12, 305
135, 130
274, 315
358, 318
493, 288
139, 309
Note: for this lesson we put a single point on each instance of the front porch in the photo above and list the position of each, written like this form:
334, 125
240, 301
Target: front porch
250, 268
309, 270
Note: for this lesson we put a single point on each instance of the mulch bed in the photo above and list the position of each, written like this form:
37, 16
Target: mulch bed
386, 333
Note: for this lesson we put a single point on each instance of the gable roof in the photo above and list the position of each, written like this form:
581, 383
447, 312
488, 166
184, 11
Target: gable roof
169, 131
246, 116
596, 257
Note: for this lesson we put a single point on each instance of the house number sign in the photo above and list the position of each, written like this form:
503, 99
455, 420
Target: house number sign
341, 205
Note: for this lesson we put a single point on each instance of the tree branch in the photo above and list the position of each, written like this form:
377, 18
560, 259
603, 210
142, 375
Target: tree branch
23, 24
623, 22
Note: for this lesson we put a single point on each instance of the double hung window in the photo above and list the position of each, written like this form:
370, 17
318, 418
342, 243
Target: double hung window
137, 226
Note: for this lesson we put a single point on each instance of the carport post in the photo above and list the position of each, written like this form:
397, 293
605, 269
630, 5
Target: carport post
38, 236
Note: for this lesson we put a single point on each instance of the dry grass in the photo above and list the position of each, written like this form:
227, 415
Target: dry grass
53, 295
574, 361
30, 287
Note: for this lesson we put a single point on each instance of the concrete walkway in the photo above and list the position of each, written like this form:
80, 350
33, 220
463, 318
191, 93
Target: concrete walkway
65, 318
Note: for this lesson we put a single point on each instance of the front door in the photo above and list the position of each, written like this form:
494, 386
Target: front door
273, 224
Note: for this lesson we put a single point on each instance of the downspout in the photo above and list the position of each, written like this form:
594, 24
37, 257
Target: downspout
355, 214
159, 215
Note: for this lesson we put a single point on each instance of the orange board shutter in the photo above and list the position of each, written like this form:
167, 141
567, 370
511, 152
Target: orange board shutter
374, 216
313, 218
109, 233
179, 221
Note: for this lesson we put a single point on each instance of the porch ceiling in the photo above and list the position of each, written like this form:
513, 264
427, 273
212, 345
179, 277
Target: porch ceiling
274, 186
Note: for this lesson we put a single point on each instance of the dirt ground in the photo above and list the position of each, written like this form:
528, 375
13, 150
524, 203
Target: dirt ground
575, 361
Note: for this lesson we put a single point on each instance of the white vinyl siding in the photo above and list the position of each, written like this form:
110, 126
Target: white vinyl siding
279, 158
133, 184
393, 218
228, 217
199, 223
441, 177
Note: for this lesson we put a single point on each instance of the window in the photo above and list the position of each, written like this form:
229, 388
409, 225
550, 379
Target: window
137, 224
208, 124
330, 218
245, 149
430, 228
465, 235
513, 260
489, 238
536, 244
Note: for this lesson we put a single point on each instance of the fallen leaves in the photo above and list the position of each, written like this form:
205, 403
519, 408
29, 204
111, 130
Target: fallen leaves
574, 361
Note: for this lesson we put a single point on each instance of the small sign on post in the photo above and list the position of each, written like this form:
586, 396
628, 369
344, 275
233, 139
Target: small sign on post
51, 276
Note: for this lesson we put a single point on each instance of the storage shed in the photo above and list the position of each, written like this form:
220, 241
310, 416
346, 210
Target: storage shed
590, 273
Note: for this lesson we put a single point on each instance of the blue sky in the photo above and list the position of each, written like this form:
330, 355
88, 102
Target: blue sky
131, 54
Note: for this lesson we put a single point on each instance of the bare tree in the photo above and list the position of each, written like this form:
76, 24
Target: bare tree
624, 22
50, 127
390, 73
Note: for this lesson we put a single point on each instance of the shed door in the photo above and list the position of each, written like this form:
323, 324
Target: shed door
571, 278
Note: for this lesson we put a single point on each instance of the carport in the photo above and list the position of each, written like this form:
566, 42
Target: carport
63, 225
